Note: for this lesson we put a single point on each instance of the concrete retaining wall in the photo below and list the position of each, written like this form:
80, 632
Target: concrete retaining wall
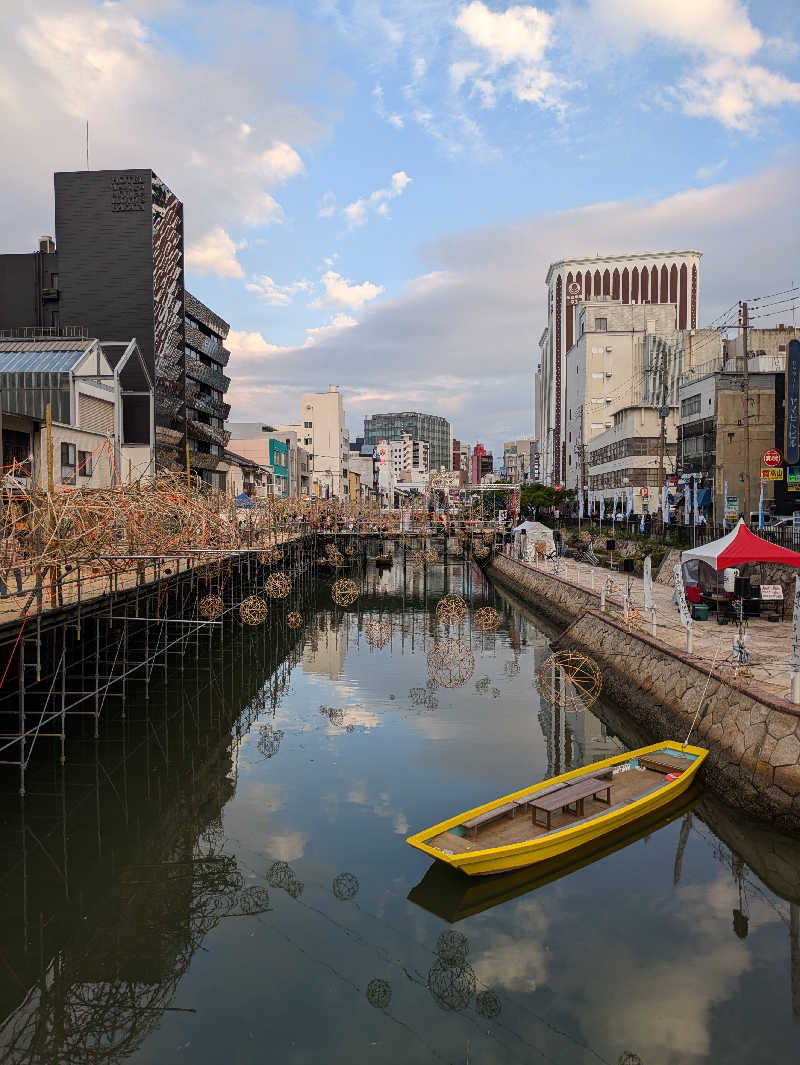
753, 738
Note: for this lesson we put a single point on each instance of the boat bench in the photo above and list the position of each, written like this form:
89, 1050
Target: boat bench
511, 808
575, 793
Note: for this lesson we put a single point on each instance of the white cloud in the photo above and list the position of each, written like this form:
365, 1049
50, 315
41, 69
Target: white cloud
215, 253
244, 345
725, 82
515, 45
708, 170
356, 213
339, 292
380, 109
276, 295
222, 134
326, 207
335, 325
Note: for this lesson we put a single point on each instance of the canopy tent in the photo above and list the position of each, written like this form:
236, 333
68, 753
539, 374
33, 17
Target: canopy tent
533, 530
739, 547
244, 500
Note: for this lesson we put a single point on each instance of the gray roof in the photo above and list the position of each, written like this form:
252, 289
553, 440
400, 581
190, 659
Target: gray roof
41, 356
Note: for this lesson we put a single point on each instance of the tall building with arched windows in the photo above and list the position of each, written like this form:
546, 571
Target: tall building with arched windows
669, 277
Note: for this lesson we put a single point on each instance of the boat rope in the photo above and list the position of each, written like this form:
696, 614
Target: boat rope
702, 697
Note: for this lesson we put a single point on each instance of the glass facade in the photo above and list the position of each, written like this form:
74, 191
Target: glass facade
429, 427
168, 312
206, 384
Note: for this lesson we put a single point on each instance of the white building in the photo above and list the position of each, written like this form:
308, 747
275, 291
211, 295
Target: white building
670, 277
327, 441
518, 459
408, 454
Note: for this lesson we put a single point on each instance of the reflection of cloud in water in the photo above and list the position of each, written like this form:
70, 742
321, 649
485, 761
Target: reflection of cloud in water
687, 988
287, 847
518, 962
381, 807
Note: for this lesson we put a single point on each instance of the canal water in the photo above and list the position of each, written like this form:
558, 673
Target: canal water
223, 877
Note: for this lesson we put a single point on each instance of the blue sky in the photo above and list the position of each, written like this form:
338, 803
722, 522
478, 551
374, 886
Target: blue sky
373, 190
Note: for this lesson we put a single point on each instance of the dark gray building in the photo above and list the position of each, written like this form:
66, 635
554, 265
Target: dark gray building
431, 428
116, 271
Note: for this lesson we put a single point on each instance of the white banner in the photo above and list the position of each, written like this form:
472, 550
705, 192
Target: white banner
649, 603
665, 504
683, 606
629, 494
795, 659
616, 502
580, 502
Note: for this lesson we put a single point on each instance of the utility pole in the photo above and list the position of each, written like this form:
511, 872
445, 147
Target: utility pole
744, 323
581, 471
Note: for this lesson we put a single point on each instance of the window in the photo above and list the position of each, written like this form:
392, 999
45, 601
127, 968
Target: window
601, 325
84, 464
781, 348
307, 441
690, 406
67, 463
308, 425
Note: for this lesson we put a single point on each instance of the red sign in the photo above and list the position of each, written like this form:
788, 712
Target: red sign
772, 457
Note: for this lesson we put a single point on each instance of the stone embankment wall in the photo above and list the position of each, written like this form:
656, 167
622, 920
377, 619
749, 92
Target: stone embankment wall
753, 738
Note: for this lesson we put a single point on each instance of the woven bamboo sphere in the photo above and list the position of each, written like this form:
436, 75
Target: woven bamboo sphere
416, 557
379, 994
253, 610
487, 1004
335, 557
344, 592
349, 550
270, 555
481, 551
430, 556
322, 560
540, 548
210, 606
378, 633
585, 537
450, 663
488, 537
277, 586
486, 619
452, 986
570, 680
451, 609
294, 619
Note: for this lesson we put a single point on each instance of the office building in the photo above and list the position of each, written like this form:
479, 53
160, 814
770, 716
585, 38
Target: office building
431, 428
482, 464
115, 271
327, 441
648, 278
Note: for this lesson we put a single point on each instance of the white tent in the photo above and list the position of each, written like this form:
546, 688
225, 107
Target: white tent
533, 531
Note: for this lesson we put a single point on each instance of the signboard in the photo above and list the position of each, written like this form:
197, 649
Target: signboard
793, 403
683, 606
793, 478
772, 457
502, 517
574, 292
731, 508
772, 474
771, 591
643, 492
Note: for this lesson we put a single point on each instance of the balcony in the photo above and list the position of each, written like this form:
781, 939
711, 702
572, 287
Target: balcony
168, 436
199, 460
210, 346
207, 404
203, 373
209, 433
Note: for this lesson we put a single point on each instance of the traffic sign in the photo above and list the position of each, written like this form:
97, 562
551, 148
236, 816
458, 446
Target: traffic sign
771, 474
772, 457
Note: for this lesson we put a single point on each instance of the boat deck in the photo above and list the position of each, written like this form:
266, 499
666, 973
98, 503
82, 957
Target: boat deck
626, 788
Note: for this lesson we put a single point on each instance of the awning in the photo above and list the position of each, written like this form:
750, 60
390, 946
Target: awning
739, 547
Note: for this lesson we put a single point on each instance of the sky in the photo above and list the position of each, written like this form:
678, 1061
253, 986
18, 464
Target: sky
373, 190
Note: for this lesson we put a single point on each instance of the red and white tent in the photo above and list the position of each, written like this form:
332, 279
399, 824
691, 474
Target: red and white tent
739, 547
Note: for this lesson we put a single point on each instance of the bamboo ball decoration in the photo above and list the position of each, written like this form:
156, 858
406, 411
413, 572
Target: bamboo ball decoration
344, 592
488, 537
281, 875
270, 555
335, 557
378, 633
451, 609
452, 948
349, 550
486, 619
416, 557
269, 741
481, 551
253, 900
294, 619
570, 680
322, 560
450, 663
452, 986
345, 886
431, 556
253, 610
210, 606
379, 994
540, 548
487, 1004
277, 586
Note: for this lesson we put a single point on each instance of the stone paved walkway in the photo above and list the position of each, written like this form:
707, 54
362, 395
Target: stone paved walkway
769, 642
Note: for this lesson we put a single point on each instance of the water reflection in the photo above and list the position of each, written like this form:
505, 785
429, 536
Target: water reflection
231, 854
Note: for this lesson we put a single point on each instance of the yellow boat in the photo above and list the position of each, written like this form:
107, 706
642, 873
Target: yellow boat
559, 815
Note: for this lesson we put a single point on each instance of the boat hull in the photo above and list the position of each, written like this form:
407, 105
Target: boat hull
505, 858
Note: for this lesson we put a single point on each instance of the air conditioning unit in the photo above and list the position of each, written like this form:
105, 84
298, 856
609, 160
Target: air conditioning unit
609, 349
608, 373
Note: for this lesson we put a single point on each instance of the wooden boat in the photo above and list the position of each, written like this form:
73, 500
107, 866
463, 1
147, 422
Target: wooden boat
383, 560
556, 816
446, 893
